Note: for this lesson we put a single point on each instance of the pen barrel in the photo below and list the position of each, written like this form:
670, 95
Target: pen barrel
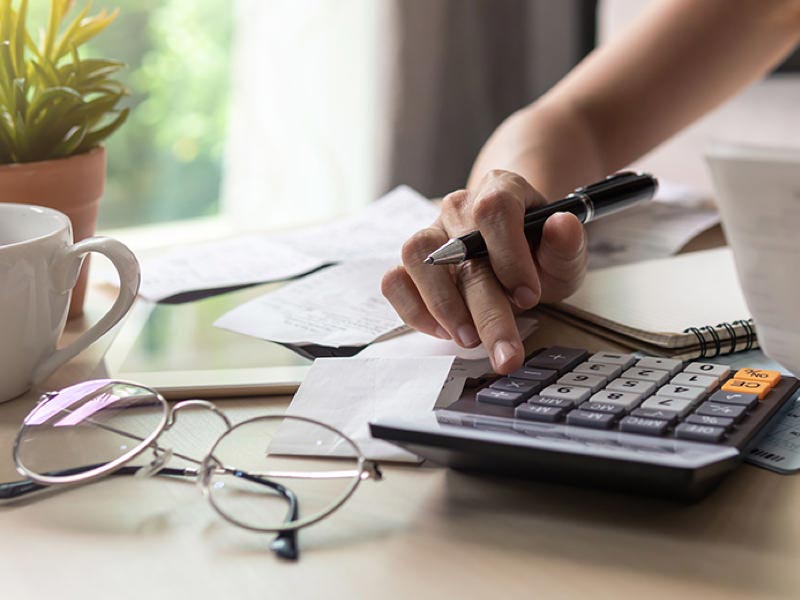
475, 245
620, 191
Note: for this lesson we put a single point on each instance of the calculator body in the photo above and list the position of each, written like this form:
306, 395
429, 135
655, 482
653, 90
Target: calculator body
656, 444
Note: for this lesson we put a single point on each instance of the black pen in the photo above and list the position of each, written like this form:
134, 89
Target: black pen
588, 203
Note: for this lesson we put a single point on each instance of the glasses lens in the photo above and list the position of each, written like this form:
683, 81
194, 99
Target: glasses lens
260, 474
88, 429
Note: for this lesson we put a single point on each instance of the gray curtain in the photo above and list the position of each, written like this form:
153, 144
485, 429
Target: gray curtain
457, 68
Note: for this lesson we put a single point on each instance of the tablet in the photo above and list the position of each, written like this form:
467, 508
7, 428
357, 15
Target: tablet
176, 349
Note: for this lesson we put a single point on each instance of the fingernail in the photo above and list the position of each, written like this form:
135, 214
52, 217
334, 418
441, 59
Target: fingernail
524, 297
467, 335
441, 333
503, 353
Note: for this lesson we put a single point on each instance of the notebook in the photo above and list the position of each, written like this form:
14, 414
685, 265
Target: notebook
684, 306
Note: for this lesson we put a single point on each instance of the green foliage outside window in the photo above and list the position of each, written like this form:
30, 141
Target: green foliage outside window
165, 162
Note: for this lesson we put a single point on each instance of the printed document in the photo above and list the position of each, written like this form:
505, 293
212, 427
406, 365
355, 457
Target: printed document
337, 306
381, 227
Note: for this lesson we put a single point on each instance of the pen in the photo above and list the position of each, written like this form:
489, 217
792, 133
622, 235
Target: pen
588, 203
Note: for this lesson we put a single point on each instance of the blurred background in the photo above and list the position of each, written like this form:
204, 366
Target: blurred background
278, 113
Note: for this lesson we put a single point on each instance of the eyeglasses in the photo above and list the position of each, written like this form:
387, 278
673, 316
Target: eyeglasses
255, 476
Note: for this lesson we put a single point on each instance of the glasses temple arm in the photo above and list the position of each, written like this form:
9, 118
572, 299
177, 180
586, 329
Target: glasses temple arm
17, 489
285, 543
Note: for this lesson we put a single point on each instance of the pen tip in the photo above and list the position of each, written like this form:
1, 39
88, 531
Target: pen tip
428, 261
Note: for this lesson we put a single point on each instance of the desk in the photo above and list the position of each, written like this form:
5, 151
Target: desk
423, 532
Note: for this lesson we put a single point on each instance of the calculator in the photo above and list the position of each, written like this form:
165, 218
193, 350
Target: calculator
625, 421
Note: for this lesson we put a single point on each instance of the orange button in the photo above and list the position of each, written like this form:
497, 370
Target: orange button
746, 386
769, 377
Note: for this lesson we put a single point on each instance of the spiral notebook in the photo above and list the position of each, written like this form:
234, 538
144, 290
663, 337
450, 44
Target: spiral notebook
685, 306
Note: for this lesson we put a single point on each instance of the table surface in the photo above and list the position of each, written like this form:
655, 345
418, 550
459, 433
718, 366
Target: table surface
426, 532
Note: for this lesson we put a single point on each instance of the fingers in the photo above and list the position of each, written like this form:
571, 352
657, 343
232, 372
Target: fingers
436, 287
499, 212
475, 301
562, 256
492, 314
400, 289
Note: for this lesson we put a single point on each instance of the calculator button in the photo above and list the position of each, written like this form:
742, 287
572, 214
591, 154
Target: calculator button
746, 400
521, 386
771, 378
715, 409
499, 397
657, 376
543, 376
603, 407
643, 425
679, 407
701, 433
567, 392
593, 382
637, 386
684, 392
558, 358
585, 418
606, 370
724, 422
719, 371
665, 364
556, 402
655, 413
536, 412
758, 388
626, 400
706, 382
623, 360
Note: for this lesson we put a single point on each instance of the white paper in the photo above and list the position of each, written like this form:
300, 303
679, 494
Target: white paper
348, 393
652, 229
338, 306
759, 198
380, 228
469, 362
220, 264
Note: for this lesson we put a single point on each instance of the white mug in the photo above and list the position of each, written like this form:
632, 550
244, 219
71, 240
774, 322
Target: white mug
39, 266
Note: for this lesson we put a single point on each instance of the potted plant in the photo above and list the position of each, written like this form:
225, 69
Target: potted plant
56, 108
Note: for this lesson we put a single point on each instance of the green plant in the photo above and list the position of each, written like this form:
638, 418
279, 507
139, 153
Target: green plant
53, 103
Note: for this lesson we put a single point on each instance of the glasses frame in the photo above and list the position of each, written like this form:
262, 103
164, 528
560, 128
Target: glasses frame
364, 468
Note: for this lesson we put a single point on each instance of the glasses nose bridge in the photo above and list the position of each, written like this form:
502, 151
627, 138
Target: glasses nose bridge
172, 416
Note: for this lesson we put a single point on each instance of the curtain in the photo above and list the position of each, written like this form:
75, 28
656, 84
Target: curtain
335, 102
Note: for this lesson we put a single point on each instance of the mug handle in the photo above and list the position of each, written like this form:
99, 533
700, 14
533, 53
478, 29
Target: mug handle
65, 274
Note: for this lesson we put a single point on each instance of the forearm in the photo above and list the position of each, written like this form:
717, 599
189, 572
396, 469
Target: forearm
680, 60
548, 145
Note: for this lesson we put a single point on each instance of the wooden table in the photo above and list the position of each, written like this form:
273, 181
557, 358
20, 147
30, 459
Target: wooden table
423, 532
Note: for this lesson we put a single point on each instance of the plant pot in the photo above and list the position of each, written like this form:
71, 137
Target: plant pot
72, 185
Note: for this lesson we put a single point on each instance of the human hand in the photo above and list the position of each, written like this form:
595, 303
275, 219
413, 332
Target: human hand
475, 301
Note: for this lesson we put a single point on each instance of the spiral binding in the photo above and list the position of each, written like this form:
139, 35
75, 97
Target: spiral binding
713, 343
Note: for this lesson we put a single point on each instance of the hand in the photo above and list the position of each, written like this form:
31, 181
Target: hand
475, 301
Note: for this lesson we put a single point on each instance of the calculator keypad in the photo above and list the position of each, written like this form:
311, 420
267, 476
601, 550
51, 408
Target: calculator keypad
650, 396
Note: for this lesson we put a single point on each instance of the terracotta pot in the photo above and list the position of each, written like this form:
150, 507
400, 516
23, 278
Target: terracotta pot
71, 185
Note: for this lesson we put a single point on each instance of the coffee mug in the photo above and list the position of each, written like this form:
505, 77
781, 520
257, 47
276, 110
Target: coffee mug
39, 266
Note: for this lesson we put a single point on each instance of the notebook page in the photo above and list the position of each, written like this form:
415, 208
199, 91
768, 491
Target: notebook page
657, 300
759, 197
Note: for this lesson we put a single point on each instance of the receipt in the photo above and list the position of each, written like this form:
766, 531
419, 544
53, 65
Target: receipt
379, 228
348, 393
338, 306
